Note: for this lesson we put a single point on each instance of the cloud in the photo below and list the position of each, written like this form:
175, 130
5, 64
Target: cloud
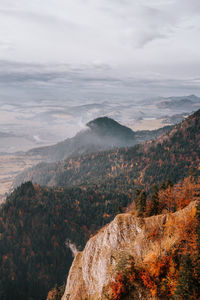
68, 44
105, 31
23, 83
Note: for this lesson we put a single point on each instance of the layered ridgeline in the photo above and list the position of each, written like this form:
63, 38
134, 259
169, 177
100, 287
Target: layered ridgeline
42, 223
100, 134
141, 165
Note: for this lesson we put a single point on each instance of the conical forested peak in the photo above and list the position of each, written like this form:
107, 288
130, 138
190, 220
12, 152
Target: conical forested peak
108, 126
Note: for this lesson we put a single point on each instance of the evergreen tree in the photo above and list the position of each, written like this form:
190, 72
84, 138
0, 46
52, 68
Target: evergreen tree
141, 202
155, 201
186, 284
192, 173
169, 183
120, 210
163, 185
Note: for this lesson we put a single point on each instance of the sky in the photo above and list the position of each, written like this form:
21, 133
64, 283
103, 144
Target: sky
65, 62
64, 49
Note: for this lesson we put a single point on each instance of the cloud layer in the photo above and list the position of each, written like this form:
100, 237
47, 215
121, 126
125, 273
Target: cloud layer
89, 31
63, 45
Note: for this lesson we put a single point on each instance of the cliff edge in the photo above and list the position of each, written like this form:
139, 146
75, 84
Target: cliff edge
94, 269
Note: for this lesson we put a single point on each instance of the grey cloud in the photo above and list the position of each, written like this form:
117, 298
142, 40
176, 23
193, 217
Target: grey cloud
94, 48
29, 82
43, 19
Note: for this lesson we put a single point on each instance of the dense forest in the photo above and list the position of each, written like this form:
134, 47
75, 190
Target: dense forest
37, 224
36, 227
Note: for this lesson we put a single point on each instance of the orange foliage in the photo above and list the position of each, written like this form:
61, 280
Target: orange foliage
148, 282
166, 199
188, 236
123, 282
52, 294
132, 277
105, 215
159, 267
178, 196
160, 276
169, 283
118, 288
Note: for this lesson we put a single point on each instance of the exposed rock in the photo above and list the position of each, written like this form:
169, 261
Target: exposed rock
95, 268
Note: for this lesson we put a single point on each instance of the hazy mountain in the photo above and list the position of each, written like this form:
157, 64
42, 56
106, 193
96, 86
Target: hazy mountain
101, 134
138, 165
6, 134
175, 119
187, 103
44, 123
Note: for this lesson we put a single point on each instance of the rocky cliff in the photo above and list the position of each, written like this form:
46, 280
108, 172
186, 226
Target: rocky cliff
95, 268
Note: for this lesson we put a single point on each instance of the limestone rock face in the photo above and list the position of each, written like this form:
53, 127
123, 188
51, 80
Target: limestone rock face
95, 268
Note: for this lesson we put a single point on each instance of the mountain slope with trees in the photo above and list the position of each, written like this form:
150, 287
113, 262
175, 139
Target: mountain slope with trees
100, 134
36, 222
141, 165
155, 257
37, 227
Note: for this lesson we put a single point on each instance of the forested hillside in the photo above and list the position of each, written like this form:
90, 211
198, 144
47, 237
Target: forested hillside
169, 156
100, 134
36, 227
36, 222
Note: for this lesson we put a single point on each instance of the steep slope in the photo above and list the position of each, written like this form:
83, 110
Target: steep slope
169, 156
94, 269
105, 126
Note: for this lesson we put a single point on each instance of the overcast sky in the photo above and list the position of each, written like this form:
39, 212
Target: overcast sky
56, 44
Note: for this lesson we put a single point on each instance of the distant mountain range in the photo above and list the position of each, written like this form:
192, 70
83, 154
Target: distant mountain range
143, 164
101, 134
6, 134
44, 125
186, 102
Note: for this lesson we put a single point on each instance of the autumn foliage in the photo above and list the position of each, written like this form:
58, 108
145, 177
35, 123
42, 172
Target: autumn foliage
118, 287
174, 274
170, 198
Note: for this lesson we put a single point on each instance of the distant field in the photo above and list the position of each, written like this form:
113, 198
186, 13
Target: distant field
10, 167
148, 124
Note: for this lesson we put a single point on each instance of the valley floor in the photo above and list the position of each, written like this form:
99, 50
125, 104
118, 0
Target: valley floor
10, 167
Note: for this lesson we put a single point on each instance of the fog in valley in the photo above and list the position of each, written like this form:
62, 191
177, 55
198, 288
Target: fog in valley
42, 105
62, 65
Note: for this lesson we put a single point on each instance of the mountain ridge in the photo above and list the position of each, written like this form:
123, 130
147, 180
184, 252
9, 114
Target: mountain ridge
106, 125
101, 134
169, 153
